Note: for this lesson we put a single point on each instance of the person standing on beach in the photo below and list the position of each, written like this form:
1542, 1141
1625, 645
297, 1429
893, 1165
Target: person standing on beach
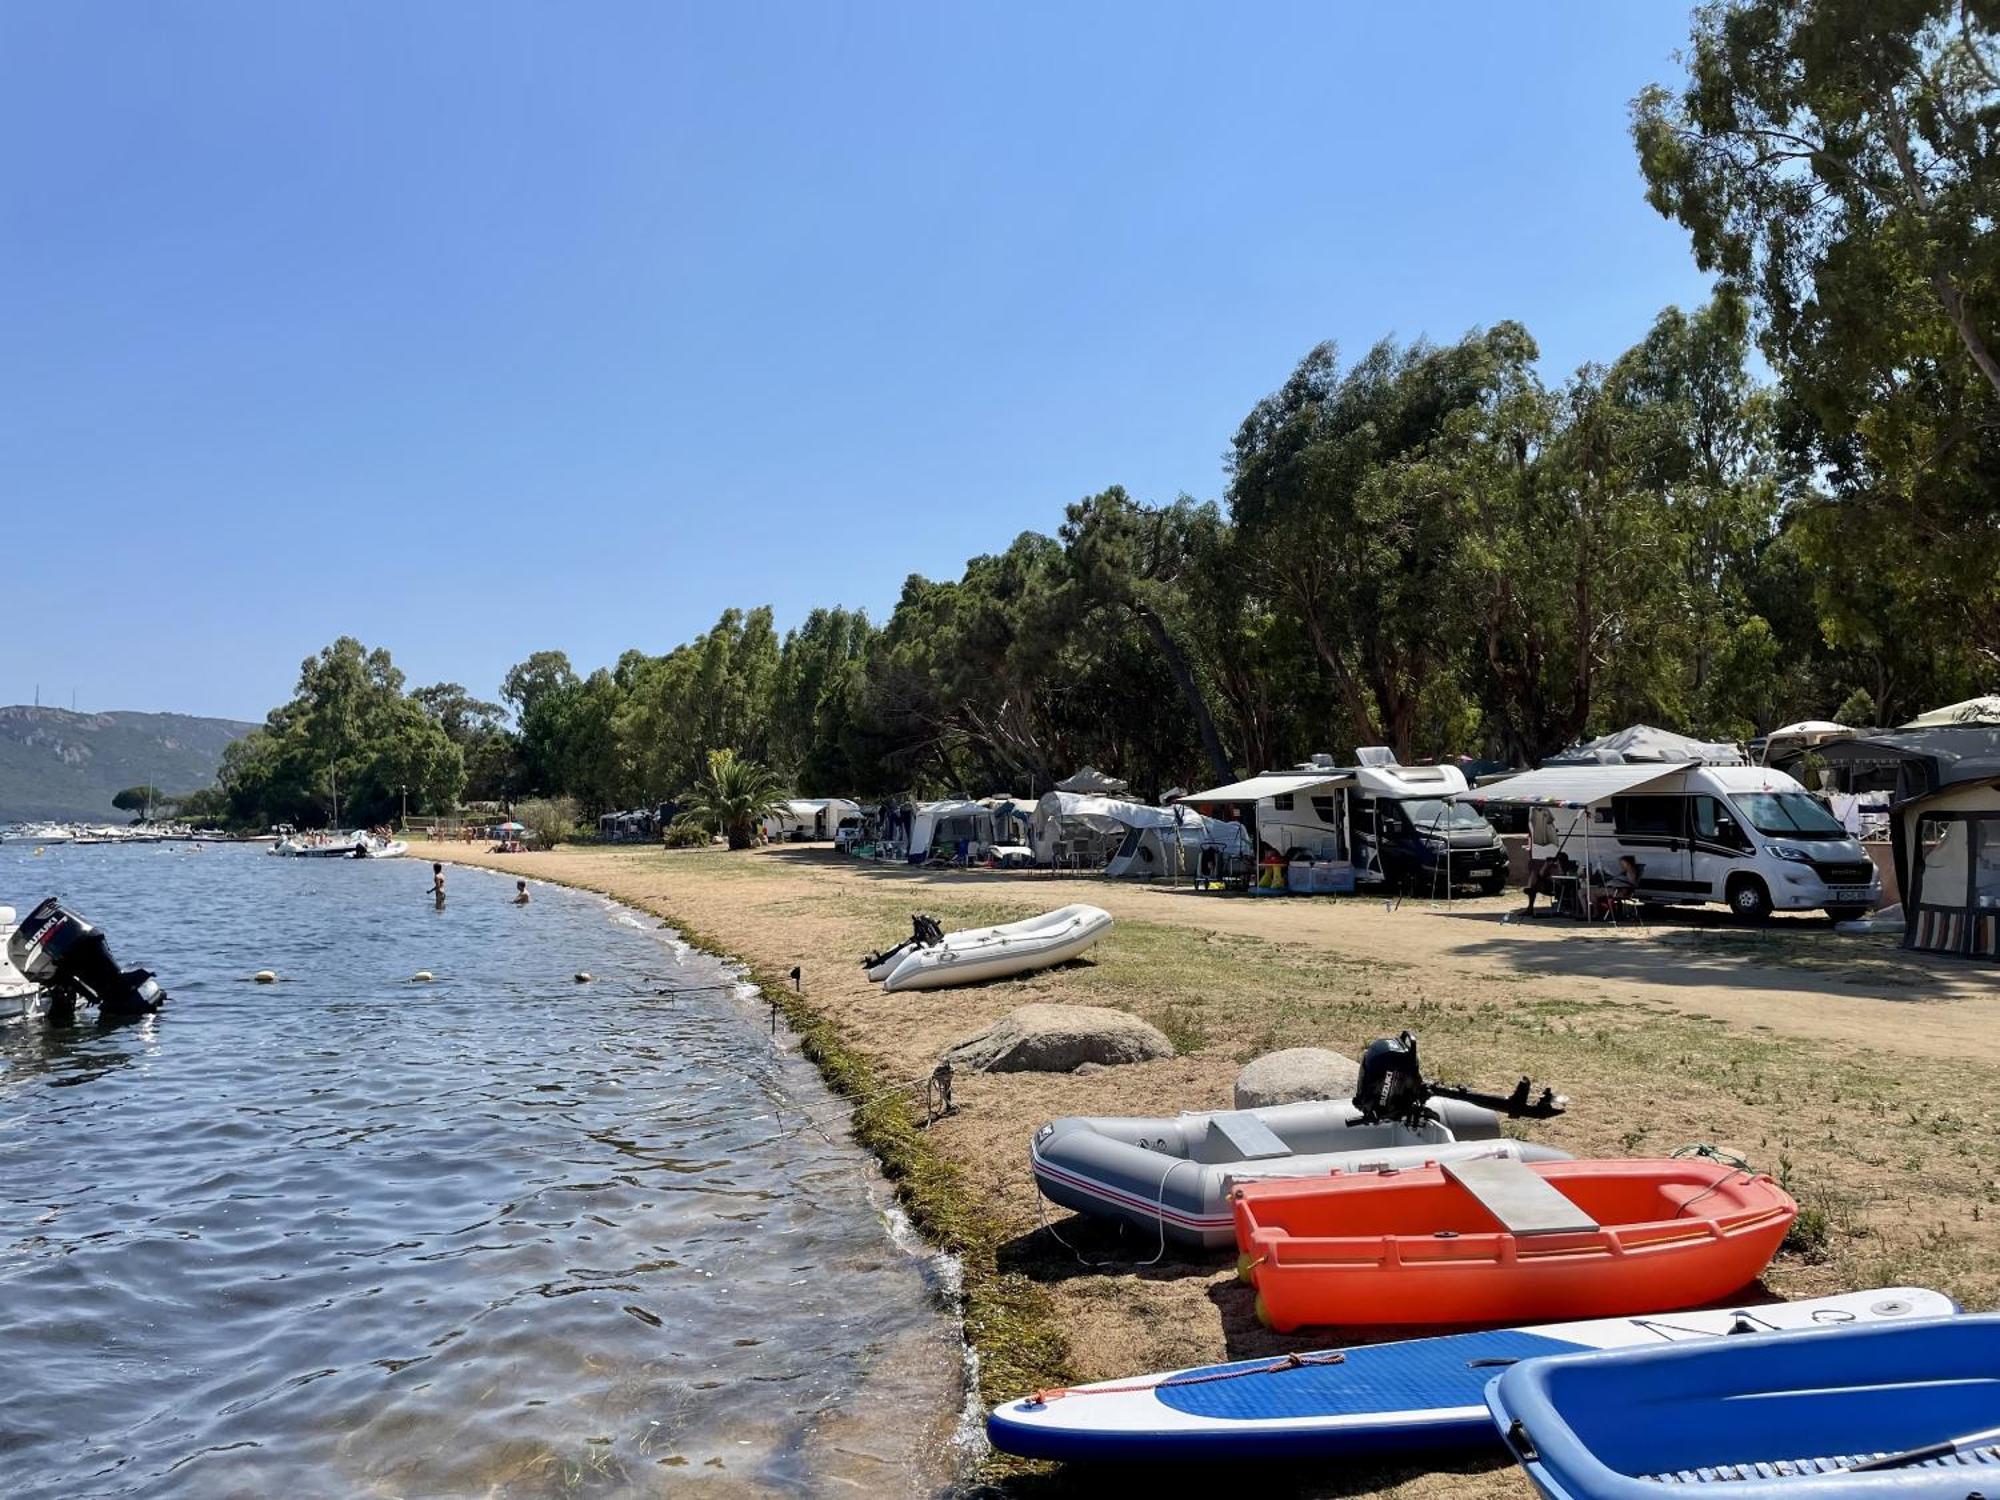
437, 885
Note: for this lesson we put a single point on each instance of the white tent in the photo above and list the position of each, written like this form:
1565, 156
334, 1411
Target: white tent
1163, 851
1076, 828
808, 817
1642, 743
1984, 710
938, 828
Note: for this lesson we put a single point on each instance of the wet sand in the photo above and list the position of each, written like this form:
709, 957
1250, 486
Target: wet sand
1868, 1079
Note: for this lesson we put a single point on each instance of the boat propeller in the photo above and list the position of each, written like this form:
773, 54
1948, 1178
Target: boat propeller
70, 961
1391, 1088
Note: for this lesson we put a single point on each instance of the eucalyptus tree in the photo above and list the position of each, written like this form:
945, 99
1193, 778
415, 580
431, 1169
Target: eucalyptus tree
1839, 163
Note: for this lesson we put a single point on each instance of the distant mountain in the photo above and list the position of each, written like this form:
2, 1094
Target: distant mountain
58, 764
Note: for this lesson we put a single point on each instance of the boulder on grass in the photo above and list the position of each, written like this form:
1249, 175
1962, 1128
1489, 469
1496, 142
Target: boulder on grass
1294, 1074
1058, 1039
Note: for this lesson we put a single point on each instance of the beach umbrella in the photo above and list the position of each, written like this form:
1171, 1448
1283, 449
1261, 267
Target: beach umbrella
513, 827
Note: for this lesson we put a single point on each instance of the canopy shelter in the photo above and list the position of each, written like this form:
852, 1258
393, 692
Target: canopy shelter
1092, 782
1561, 798
1642, 742
814, 818
1984, 710
1084, 831
948, 830
1574, 786
1944, 830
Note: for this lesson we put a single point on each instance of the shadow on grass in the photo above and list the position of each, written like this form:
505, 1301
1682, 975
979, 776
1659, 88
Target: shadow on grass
1067, 1247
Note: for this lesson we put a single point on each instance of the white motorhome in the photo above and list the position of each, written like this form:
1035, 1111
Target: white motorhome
1399, 825
1746, 836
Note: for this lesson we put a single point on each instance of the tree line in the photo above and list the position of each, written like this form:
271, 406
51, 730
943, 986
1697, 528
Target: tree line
1425, 546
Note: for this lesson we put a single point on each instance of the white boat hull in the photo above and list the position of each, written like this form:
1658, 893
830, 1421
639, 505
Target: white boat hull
995, 952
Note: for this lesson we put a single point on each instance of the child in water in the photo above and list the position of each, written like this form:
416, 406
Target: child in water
520, 893
437, 885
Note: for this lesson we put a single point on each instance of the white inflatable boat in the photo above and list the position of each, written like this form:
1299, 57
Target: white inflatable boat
968, 957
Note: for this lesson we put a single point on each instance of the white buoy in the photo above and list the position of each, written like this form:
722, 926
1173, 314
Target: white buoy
266, 976
422, 976
583, 976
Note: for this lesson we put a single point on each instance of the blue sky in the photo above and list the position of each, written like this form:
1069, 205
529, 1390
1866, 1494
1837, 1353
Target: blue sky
473, 329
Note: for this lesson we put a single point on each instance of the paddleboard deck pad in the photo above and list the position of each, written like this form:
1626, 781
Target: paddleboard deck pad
1372, 1398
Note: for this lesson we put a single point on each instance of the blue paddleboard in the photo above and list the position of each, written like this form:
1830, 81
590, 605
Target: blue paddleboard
1374, 1398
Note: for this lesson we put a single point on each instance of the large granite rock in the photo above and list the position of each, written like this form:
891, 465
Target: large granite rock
1058, 1039
1294, 1074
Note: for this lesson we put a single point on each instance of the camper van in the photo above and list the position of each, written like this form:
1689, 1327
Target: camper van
1747, 836
1408, 826
1399, 825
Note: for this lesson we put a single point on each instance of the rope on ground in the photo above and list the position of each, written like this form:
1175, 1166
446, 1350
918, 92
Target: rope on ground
1160, 1212
1238, 1372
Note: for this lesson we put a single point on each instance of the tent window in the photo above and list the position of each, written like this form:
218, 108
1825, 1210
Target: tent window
1282, 802
1986, 864
1324, 807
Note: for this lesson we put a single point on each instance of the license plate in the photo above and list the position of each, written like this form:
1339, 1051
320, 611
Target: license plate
1849, 893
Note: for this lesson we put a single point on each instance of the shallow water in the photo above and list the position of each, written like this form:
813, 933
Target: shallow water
498, 1234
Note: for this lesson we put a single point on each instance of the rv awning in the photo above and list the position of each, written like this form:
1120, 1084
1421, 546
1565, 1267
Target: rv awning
1271, 784
1568, 786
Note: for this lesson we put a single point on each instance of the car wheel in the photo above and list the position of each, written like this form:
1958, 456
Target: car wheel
1749, 901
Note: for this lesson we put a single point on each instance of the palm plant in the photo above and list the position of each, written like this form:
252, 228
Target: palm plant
732, 797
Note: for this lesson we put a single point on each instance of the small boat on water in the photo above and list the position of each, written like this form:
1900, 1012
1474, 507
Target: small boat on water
1417, 1395
1041, 942
1899, 1411
1174, 1175
338, 846
1489, 1241
17, 991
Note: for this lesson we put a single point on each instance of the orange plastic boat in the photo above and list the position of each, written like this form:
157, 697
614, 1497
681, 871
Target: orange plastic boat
1506, 1242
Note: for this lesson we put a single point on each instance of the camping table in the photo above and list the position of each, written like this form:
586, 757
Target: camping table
1568, 892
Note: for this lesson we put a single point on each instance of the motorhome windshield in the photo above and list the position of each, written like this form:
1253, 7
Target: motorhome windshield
1789, 815
1434, 813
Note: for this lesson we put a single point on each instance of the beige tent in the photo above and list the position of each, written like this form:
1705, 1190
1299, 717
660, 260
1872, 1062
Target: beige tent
1984, 710
1949, 843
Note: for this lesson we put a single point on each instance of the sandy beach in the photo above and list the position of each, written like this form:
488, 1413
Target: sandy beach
1866, 1079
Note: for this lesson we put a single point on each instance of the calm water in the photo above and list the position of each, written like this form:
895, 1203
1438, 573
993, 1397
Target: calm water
501, 1234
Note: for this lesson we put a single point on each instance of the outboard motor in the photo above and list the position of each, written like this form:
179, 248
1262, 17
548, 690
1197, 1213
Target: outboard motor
59, 951
1391, 1087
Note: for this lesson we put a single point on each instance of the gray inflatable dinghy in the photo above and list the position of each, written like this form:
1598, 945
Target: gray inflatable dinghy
1172, 1176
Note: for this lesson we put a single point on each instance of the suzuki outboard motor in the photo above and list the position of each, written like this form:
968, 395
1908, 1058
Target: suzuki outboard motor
68, 958
1392, 1087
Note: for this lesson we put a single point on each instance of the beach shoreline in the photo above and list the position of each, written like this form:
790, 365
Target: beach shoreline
1815, 1056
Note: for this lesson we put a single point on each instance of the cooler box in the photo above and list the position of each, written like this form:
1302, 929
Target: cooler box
1333, 877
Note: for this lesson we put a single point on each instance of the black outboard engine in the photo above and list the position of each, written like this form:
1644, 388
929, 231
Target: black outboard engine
1391, 1087
68, 958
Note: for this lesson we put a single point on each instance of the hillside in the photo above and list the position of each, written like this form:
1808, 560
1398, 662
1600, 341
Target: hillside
58, 764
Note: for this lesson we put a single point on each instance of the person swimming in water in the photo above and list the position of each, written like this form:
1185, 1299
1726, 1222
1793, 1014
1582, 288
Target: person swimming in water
437, 885
520, 893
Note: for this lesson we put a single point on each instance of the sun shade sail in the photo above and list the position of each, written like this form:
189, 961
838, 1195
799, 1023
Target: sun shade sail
1568, 786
